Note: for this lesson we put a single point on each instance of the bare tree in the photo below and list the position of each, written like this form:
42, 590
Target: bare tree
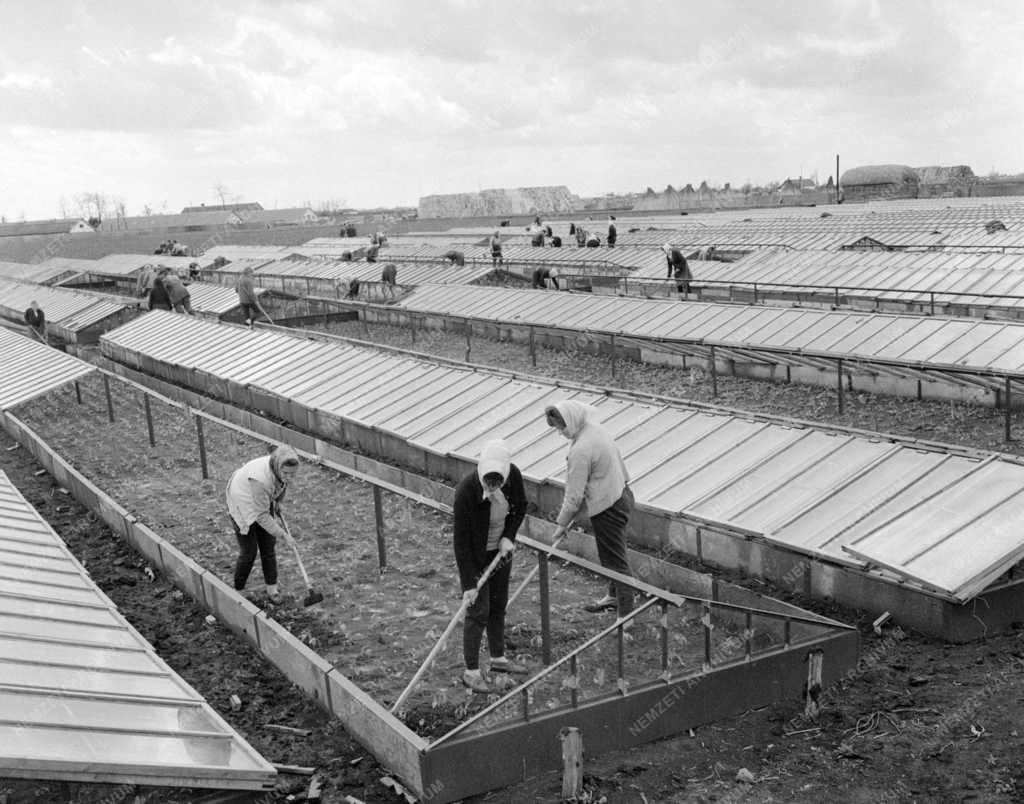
64, 207
147, 210
222, 192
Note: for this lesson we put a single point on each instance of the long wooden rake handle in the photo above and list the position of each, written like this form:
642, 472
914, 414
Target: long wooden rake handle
533, 572
444, 637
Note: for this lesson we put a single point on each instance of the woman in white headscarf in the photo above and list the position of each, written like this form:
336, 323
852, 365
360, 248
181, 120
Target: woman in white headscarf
597, 481
254, 495
490, 505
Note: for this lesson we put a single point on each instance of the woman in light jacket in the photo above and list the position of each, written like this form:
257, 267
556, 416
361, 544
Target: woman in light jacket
597, 480
254, 496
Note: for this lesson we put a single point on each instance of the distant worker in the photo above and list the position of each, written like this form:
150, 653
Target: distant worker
593, 241
572, 229
248, 298
455, 257
194, 274
372, 252
254, 496
36, 320
496, 255
346, 256
541, 276
678, 268
538, 238
353, 288
613, 233
553, 273
144, 284
581, 237
389, 276
159, 299
707, 253
556, 242
181, 299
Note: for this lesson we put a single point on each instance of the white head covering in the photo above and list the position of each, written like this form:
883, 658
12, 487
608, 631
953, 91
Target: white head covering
494, 457
575, 415
667, 247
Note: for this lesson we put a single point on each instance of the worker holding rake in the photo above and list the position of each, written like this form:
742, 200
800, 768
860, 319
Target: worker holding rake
597, 479
254, 496
490, 505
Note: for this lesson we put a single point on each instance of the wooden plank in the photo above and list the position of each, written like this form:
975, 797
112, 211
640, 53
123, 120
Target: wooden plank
386, 737
300, 663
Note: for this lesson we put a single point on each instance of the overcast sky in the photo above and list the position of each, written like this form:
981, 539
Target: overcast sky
374, 102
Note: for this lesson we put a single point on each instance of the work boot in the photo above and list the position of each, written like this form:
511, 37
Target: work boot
502, 664
606, 603
476, 682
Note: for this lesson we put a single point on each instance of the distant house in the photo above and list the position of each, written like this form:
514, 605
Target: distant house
294, 216
50, 227
247, 206
795, 186
879, 182
185, 222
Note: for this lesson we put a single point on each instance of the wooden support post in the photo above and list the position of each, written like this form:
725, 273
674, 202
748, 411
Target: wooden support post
366, 324
840, 398
469, 339
412, 328
1008, 401
706, 624
545, 608
919, 389
574, 690
533, 347
572, 763
664, 638
787, 628
714, 374
378, 513
202, 446
755, 293
149, 420
813, 691
78, 392
612, 350
110, 402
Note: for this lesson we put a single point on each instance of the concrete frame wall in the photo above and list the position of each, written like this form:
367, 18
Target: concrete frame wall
866, 379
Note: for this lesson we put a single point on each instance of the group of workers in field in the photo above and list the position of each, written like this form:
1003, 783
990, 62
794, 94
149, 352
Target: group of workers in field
163, 289
489, 508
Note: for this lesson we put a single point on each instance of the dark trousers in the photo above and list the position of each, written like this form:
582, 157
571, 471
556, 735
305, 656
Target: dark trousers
256, 540
487, 614
610, 534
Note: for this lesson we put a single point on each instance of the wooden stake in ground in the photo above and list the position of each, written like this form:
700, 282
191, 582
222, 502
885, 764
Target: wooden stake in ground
572, 763
811, 706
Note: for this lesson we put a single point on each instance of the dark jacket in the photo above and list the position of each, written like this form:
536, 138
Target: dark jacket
35, 319
677, 265
472, 516
159, 299
613, 234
